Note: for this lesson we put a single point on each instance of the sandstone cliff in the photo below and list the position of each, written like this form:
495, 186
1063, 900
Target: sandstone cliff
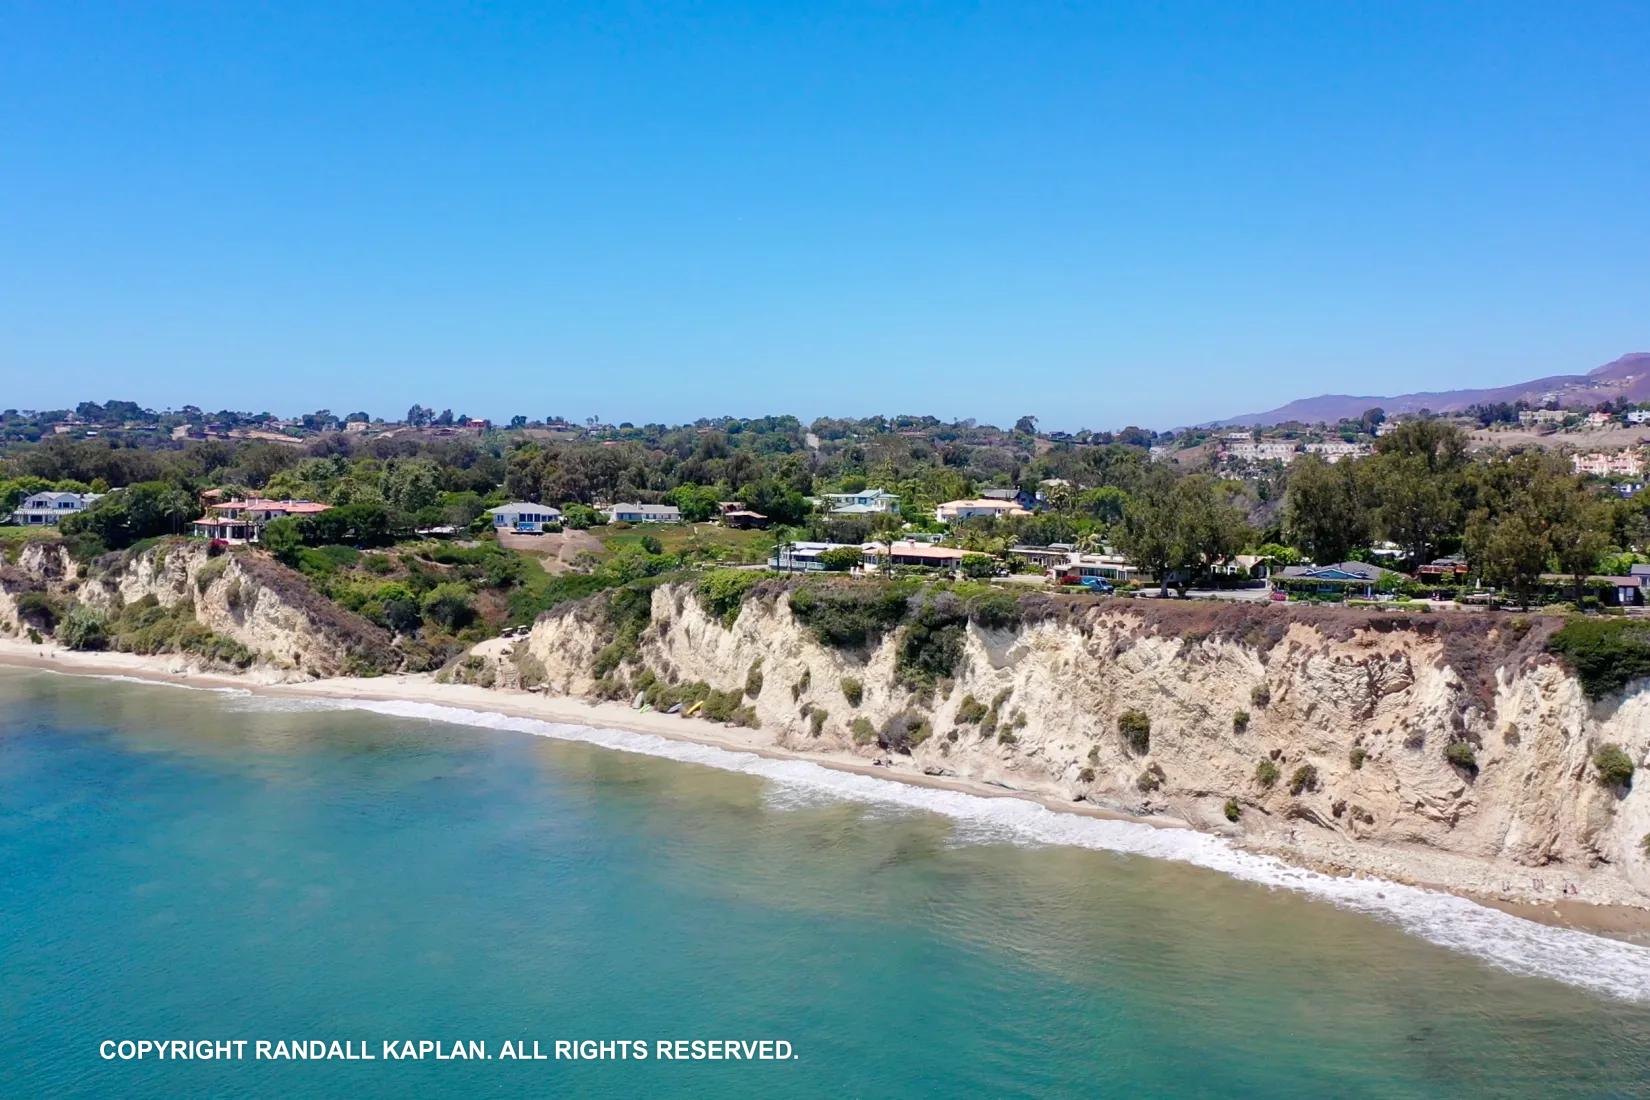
289, 631
1326, 734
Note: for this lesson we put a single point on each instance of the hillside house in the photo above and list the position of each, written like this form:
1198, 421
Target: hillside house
1107, 565
953, 511
866, 502
524, 517
238, 521
1607, 464
903, 553
48, 509
643, 513
1349, 578
804, 557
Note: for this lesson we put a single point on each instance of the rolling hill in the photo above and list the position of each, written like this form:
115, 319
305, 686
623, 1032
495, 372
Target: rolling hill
1627, 377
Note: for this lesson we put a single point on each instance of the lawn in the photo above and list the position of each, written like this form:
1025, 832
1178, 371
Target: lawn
13, 537
725, 543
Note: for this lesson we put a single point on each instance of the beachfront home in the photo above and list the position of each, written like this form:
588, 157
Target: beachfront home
1452, 569
954, 511
804, 557
1107, 565
244, 520
644, 513
524, 517
866, 502
1347, 578
1055, 553
743, 519
911, 553
48, 509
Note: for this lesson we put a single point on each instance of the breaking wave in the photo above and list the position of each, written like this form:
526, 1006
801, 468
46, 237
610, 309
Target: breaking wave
1512, 943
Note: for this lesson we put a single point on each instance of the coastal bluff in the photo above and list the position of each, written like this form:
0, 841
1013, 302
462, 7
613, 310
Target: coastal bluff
1441, 749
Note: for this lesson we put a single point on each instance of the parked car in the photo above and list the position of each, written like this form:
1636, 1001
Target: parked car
1096, 584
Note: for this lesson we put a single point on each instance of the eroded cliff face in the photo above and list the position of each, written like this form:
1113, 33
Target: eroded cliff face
1352, 714
292, 632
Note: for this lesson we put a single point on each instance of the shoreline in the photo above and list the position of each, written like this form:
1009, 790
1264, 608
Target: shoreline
1614, 920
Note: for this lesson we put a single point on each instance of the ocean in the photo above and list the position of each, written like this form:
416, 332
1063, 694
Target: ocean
219, 866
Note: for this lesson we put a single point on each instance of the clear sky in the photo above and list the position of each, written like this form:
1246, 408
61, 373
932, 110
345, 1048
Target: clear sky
1099, 213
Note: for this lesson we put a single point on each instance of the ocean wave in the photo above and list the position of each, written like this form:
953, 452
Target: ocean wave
1512, 943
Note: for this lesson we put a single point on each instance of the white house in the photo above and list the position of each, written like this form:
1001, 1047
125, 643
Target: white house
521, 516
804, 557
1334, 452
954, 510
863, 503
46, 509
644, 513
1638, 416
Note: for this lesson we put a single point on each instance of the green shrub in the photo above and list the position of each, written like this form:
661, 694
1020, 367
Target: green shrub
1006, 736
904, 732
1606, 654
1266, 773
1357, 757
1136, 729
852, 690
448, 604
722, 592
816, 720
1304, 779
847, 615
995, 609
932, 643
802, 684
1460, 754
83, 628
1260, 696
1615, 767
841, 559
211, 571
1149, 780
1240, 721
1086, 775
1233, 810
970, 711
864, 733
753, 679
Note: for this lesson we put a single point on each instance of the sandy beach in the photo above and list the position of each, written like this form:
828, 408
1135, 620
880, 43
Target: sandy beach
1620, 921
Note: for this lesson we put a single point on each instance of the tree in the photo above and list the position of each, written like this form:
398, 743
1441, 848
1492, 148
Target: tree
1534, 515
1181, 524
449, 605
1325, 509
1026, 425
136, 512
841, 559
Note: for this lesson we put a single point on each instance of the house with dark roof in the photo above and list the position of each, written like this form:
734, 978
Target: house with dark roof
1345, 578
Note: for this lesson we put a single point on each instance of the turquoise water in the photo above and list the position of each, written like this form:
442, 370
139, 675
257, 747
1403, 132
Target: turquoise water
181, 864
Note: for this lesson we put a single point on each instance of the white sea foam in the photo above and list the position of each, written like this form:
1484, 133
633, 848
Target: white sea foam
1512, 943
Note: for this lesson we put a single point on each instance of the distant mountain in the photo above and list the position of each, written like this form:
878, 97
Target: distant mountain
1627, 377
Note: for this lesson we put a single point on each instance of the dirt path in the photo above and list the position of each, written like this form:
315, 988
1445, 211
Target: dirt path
556, 552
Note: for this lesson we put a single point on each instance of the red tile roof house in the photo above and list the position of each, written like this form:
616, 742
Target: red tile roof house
912, 553
243, 520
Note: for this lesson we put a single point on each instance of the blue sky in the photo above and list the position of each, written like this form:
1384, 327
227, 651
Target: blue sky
1097, 213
